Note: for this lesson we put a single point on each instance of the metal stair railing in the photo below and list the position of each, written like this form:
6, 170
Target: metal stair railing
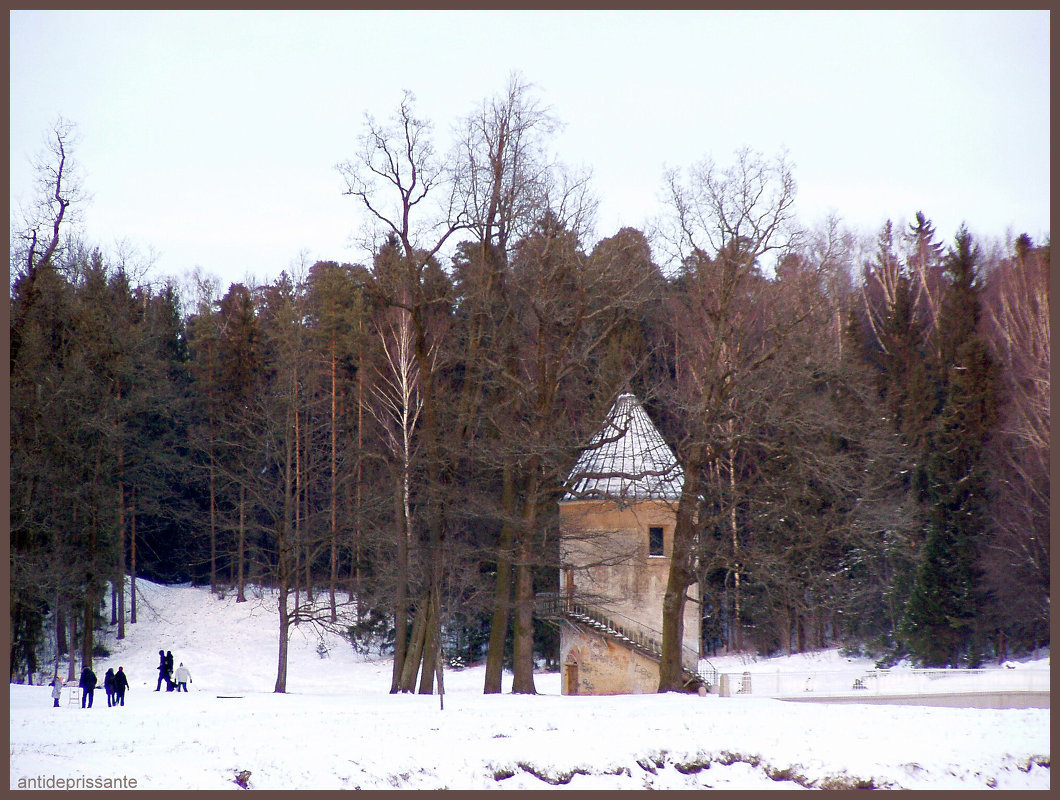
631, 633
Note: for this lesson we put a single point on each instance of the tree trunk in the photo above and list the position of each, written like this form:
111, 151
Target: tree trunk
436, 512
414, 650
117, 567
87, 629
440, 671
681, 576
60, 633
334, 574
71, 651
283, 553
431, 645
786, 615
121, 561
733, 530
523, 632
285, 629
91, 598
359, 500
401, 600
241, 545
297, 575
303, 502
213, 526
298, 538
523, 629
502, 593
132, 556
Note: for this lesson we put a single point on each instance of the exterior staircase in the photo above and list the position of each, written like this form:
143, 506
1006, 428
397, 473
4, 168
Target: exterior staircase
629, 633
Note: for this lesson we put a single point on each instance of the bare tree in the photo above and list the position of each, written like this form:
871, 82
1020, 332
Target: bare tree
412, 196
504, 176
565, 308
397, 409
58, 190
37, 230
725, 222
1017, 551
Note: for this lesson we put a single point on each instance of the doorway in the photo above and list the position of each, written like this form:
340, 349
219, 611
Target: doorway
571, 668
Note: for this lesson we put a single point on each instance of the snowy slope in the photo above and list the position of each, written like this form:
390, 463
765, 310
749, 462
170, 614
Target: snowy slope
337, 727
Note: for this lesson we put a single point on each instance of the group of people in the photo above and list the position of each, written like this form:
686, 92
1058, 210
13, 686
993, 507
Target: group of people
115, 684
176, 680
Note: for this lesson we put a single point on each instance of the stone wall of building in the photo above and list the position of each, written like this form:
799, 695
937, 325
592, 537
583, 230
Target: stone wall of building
595, 664
604, 548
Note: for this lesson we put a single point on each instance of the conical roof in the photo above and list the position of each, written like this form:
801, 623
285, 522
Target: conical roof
627, 460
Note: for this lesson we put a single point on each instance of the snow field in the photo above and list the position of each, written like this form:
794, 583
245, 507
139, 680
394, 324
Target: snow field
338, 727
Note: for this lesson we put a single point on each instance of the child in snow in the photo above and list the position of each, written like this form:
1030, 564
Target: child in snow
182, 678
57, 690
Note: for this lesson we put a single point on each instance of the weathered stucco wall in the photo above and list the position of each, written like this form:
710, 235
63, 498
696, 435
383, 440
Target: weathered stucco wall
594, 664
604, 550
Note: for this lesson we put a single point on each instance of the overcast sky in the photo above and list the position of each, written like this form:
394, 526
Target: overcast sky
211, 138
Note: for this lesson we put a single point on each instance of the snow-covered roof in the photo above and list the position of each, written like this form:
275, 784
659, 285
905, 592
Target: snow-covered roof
627, 460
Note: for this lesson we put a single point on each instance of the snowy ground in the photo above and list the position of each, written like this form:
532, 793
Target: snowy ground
338, 727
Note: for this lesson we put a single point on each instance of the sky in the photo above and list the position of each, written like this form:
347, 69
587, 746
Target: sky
350, 732
210, 140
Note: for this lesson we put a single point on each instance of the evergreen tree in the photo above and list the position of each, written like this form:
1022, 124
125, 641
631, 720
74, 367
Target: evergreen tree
941, 624
925, 262
336, 299
41, 455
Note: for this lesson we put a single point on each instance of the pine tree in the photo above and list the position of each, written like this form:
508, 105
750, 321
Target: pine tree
942, 615
336, 299
925, 264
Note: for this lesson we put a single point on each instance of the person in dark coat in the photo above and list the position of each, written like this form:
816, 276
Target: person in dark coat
170, 686
162, 673
88, 686
121, 683
108, 685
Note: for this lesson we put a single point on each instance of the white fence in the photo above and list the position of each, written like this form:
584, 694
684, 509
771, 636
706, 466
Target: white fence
881, 682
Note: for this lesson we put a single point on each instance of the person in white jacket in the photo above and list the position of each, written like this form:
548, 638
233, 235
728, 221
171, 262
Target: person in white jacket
182, 677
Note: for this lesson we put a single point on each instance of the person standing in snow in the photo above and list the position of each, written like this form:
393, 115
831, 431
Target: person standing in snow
88, 686
121, 683
108, 686
182, 678
169, 670
57, 690
163, 674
